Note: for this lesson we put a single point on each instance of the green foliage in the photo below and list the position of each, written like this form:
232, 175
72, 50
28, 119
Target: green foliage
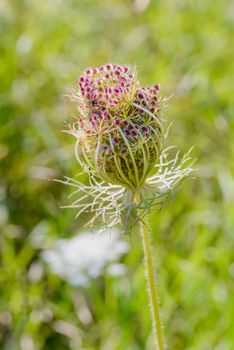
187, 46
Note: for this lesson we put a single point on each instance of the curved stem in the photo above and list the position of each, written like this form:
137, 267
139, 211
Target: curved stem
152, 286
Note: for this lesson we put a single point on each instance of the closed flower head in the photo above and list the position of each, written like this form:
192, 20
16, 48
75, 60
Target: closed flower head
122, 135
120, 144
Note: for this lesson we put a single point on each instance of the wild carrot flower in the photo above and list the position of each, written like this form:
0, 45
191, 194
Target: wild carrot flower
82, 258
120, 143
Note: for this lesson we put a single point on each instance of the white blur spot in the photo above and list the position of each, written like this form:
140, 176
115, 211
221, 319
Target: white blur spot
20, 91
140, 5
24, 44
26, 342
85, 256
219, 293
35, 272
116, 269
3, 214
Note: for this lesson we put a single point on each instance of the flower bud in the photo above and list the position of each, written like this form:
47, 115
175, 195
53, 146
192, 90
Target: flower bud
122, 136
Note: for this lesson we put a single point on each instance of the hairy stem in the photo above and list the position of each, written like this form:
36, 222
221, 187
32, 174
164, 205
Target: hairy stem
152, 286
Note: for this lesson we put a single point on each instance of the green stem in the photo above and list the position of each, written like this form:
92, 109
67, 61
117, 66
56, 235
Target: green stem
152, 286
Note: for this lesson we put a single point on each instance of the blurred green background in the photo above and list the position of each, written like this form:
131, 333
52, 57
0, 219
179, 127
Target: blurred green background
187, 46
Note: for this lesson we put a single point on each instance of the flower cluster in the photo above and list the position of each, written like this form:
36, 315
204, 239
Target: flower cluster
122, 134
147, 97
82, 258
105, 89
120, 144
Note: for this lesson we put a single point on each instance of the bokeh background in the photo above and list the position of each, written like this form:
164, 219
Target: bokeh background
187, 46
